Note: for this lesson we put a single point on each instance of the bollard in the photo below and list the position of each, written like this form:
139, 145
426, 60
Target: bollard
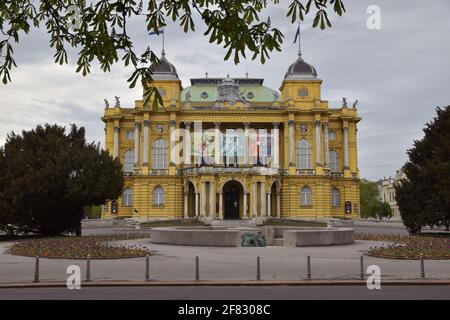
308, 267
258, 268
361, 260
88, 267
197, 269
422, 267
147, 268
36, 270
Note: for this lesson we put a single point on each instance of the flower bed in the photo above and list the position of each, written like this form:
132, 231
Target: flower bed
80, 247
408, 247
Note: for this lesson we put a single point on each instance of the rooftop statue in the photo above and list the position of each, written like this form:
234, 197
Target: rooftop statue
229, 91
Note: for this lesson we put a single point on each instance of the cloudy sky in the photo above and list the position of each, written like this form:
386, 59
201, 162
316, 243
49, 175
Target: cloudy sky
399, 74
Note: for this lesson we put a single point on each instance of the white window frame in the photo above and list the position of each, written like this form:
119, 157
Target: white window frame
334, 161
304, 154
160, 154
335, 197
306, 196
128, 161
158, 196
127, 198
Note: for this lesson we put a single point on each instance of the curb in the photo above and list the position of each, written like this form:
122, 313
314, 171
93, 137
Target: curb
153, 283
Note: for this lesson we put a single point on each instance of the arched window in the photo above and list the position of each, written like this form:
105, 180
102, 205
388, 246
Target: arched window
158, 196
128, 161
335, 197
334, 161
159, 154
127, 197
303, 154
305, 196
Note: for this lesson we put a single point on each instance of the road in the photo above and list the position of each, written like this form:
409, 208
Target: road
232, 293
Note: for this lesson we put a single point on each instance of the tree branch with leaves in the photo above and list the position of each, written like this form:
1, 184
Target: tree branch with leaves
99, 29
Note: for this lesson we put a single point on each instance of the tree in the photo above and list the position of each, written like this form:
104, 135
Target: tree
424, 196
48, 177
383, 210
370, 198
98, 29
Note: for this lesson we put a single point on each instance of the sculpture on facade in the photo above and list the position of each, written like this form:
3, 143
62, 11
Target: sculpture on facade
355, 103
117, 105
344, 102
229, 91
188, 96
106, 104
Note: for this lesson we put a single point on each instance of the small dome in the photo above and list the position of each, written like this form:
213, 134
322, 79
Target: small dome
301, 70
164, 70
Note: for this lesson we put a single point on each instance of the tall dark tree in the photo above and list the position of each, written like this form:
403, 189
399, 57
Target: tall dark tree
424, 196
47, 177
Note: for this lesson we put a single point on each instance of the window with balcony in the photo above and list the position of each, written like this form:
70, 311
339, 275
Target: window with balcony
303, 154
128, 161
334, 161
160, 154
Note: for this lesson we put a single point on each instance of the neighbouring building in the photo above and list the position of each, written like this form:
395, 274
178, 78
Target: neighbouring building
232, 148
387, 192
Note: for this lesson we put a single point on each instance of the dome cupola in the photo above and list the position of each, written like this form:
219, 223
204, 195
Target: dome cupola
300, 70
164, 70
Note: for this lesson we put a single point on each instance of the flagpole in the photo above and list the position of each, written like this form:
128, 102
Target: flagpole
163, 52
299, 41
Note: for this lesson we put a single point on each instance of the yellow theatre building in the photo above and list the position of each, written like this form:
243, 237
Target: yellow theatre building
232, 148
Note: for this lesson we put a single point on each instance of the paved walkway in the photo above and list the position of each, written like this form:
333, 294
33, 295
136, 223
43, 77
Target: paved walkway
177, 263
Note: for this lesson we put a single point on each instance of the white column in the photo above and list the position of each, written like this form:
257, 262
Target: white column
220, 206
276, 145
246, 137
212, 203
326, 145
291, 143
197, 202
203, 195
346, 162
146, 141
187, 143
263, 199
278, 204
245, 206
318, 142
172, 124
268, 213
136, 143
217, 144
186, 204
255, 200
116, 142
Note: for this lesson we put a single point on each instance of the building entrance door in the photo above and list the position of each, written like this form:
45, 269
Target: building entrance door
231, 201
